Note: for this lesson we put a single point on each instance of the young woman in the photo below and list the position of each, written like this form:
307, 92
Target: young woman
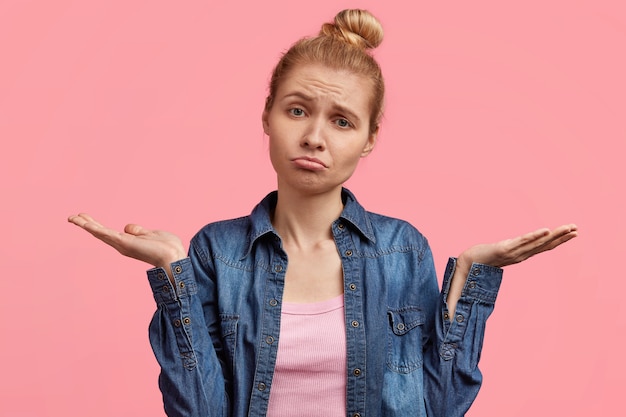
311, 305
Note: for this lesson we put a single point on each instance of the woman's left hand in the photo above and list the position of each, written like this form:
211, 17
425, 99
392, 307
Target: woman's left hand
512, 251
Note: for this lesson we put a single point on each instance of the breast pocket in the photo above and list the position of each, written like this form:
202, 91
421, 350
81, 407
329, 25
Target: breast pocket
404, 351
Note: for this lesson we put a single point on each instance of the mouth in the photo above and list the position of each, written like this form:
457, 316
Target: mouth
306, 162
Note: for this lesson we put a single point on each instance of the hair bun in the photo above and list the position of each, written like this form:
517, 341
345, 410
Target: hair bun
356, 27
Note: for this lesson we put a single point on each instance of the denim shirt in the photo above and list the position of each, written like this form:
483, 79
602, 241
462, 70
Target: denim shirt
215, 333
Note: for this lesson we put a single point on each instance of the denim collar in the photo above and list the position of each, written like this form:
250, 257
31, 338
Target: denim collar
261, 218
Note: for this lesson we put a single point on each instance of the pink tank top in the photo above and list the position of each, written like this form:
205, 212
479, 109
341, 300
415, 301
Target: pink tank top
310, 376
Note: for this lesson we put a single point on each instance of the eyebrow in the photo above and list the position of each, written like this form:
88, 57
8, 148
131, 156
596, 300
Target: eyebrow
337, 107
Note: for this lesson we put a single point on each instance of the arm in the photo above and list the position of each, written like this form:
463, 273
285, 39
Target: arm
451, 375
191, 379
471, 283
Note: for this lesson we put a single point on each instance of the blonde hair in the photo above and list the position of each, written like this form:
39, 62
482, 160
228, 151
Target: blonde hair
344, 44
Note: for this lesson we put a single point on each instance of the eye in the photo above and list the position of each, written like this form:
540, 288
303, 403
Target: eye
343, 123
296, 112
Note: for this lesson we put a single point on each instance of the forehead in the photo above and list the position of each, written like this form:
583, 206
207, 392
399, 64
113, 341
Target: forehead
323, 84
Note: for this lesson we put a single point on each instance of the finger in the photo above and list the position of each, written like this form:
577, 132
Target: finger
531, 237
78, 221
572, 227
74, 219
83, 219
556, 238
90, 219
135, 229
543, 236
514, 249
554, 242
564, 229
523, 247
86, 222
120, 241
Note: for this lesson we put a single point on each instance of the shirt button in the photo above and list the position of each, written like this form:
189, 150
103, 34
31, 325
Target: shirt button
352, 287
178, 269
476, 271
261, 386
401, 327
460, 318
447, 351
187, 320
273, 302
357, 372
278, 268
269, 340
348, 252
340, 225
446, 316
355, 323
181, 285
166, 288
177, 323
161, 276
356, 415
472, 284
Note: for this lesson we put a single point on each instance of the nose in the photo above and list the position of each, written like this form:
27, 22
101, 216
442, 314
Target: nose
314, 135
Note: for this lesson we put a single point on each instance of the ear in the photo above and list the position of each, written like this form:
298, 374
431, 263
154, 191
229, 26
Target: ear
266, 125
371, 141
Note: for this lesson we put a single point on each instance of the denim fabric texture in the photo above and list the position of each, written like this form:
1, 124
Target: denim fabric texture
215, 333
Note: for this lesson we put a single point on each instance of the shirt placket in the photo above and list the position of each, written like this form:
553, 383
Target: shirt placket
355, 323
268, 342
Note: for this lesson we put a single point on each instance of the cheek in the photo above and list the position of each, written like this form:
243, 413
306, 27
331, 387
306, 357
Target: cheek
275, 151
271, 148
350, 158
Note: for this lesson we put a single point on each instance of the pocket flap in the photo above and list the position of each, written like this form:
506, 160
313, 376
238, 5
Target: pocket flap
229, 324
404, 319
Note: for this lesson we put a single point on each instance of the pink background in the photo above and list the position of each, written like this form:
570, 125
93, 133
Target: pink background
500, 119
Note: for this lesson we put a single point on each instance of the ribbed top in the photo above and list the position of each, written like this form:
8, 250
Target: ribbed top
310, 376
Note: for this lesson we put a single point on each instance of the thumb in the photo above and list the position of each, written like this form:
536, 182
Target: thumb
135, 229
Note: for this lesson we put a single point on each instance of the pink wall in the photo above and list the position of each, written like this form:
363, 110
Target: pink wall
500, 119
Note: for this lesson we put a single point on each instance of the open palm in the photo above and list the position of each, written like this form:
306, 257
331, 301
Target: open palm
156, 247
512, 251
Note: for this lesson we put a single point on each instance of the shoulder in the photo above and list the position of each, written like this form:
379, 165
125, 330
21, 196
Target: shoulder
223, 229
233, 239
224, 236
396, 232
382, 231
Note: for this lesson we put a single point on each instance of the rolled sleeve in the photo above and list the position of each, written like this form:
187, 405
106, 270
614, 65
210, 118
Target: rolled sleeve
164, 291
452, 375
191, 378
482, 284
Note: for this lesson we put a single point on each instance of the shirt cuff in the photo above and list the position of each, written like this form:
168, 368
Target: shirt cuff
184, 282
482, 283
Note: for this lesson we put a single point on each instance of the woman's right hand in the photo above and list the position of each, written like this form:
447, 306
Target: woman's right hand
155, 247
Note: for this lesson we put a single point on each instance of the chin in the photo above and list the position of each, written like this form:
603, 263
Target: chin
312, 186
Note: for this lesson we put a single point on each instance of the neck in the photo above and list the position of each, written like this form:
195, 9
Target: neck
304, 220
